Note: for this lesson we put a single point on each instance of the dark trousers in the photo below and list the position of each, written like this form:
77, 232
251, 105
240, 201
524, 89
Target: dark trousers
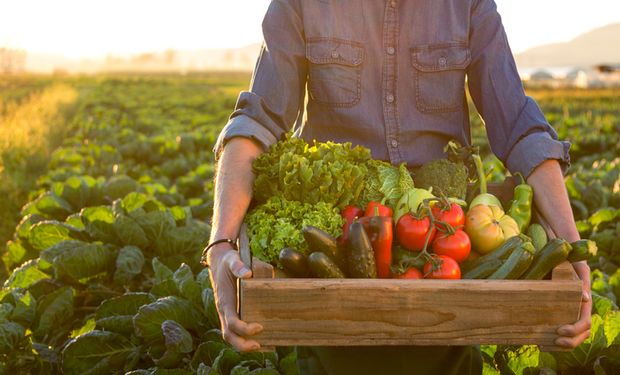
389, 360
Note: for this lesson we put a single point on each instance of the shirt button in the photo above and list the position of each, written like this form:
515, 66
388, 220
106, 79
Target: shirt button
335, 55
442, 61
389, 98
391, 50
394, 143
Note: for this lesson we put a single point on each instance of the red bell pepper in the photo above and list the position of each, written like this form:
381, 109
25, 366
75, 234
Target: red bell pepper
378, 209
380, 233
349, 214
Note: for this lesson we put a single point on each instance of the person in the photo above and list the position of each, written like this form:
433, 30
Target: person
388, 75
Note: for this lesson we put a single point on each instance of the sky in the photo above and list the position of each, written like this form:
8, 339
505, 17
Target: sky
96, 28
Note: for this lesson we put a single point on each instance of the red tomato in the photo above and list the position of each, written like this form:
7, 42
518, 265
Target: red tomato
411, 273
380, 210
456, 245
411, 232
453, 215
449, 269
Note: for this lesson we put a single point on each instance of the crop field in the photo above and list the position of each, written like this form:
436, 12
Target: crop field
106, 199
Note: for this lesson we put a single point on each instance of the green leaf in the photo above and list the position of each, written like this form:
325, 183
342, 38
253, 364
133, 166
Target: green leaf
603, 215
584, 355
53, 206
129, 232
90, 325
133, 201
225, 361
53, 310
119, 186
24, 226
156, 224
116, 314
288, 364
79, 191
611, 326
97, 352
206, 353
162, 272
98, 222
25, 275
189, 288
601, 305
148, 320
48, 233
77, 260
182, 240
203, 278
208, 301
11, 335
176, 337
129, 263
15, 254
25, 306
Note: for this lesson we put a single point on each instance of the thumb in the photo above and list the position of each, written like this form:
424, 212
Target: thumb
238, 268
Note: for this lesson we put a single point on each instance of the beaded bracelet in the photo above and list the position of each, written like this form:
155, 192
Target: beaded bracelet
203, 258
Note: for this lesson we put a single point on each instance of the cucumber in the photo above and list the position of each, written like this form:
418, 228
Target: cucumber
361, 257
555, 252
294, 262
502, 253
323, 267
319, 240
538, 235
516, 264
582, 250
484, 270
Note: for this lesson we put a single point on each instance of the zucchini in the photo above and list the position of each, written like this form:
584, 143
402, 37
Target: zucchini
502, 253
516, 264
361, 257
582, 250
323, 267
538, 235
294, 262
484, 270
555, 252
319, 240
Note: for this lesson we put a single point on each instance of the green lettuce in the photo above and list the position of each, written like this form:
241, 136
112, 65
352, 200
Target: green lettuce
329, 172
278, 223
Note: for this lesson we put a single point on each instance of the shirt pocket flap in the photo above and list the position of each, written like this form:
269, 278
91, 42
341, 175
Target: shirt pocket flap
435, 58
334, 51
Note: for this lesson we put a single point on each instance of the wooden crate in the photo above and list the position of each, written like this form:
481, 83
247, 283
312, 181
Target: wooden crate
350, 312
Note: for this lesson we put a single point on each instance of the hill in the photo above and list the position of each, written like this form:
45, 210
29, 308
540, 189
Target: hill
599, 46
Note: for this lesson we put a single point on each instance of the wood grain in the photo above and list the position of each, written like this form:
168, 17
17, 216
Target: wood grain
408, 312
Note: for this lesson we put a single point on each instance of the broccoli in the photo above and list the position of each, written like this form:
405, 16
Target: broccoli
444, 176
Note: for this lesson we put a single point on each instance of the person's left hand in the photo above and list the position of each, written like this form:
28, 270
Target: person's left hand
571, 335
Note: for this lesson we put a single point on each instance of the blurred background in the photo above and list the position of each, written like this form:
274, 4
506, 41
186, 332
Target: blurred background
572, 42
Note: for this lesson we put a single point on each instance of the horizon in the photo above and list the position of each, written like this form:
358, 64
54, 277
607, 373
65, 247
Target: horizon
97, 30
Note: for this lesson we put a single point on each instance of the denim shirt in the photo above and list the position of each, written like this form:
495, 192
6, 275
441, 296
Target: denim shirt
390, 75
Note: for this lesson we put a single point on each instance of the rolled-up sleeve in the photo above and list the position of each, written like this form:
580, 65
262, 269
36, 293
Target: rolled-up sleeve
274, 101
518, 132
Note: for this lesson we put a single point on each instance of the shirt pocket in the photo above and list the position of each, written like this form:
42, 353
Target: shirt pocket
439, 76
334, 77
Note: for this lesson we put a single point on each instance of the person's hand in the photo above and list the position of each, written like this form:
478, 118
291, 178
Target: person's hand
571, 335
226, 267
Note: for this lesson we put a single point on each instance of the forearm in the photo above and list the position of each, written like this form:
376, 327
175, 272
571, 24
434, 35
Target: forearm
551, 199
232, 191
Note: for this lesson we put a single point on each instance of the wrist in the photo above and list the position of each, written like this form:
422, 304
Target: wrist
217, 248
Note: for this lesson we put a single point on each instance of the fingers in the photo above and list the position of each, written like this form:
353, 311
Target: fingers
572, 342
571, 335
235, 331
583, 271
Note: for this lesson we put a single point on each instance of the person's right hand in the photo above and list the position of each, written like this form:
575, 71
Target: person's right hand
226, 267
